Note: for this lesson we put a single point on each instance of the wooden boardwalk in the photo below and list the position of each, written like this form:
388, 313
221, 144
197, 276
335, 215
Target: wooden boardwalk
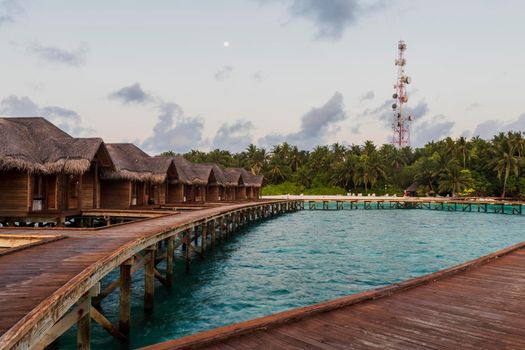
41, 283
476, 305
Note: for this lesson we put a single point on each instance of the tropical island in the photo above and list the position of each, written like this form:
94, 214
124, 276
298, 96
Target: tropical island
475, 167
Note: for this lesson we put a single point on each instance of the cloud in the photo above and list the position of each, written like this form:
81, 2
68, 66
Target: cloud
368, 96
434, 129
64, 118
489, 128
174, 131
331, 17
316, 125
131, 94
75, 58
9, 11
224, 73
473, 106
234, 137
257, 76
384, 111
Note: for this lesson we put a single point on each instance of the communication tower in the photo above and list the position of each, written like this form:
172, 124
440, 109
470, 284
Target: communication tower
401, 122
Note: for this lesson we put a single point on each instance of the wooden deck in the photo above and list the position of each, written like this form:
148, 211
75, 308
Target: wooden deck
476, 305
40, 284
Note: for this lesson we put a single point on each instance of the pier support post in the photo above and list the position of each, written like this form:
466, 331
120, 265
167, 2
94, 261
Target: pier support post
149, 278
125, 296
187, 251
84, 331
170, 248
220, 232
84, 321
213, 228
204, 234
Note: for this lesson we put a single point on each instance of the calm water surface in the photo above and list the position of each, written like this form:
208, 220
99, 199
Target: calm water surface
305, 258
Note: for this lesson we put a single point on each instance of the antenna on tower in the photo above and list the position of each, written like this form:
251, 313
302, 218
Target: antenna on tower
401, 122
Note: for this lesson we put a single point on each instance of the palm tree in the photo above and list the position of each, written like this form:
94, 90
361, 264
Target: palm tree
343, 172
276, 172
427, 171
369, 148
463, 149
453, 179
338, 152
295, 158
368, 171
256, 158
505, 161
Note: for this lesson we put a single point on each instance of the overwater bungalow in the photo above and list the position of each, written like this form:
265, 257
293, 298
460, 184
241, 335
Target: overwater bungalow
215, 189
47, 173
253, 185
244, 185
138, 180
235, 181
208, 182
179, 181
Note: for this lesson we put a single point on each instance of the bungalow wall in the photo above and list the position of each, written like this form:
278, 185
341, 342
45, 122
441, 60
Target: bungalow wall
200, 193
189, 193
229, 193
87, 191
249, 192
157, 194
175, 193
163, 187
115, 194
14, 191
90, 189
213, 193
67, 191
240, 193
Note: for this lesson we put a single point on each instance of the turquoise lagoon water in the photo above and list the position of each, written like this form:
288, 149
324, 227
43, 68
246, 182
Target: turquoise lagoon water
304, 258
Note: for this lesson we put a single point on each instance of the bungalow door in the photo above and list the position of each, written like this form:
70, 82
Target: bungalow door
73, 192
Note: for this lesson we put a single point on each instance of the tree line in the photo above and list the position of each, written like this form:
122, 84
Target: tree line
474, 167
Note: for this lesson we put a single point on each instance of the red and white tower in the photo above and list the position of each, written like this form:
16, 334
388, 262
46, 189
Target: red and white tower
401, 122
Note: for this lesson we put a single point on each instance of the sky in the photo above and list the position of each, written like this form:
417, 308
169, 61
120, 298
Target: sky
185, 74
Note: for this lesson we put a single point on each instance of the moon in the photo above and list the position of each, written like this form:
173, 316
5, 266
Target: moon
226, 44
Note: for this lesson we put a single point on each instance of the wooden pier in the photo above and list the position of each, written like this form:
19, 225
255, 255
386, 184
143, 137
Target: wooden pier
48, 288
439, 204
476, 305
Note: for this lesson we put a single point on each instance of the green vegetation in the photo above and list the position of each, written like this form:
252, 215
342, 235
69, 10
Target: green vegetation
474, 167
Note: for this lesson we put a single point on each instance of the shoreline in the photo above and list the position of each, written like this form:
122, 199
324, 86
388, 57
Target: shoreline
385, 198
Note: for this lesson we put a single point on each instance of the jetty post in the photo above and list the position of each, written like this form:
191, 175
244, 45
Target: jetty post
125, 295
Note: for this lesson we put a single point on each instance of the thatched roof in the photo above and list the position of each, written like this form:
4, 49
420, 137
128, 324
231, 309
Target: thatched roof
233, 176
251, 180
218, 174
184, 170
131, 163
242, 177
201, 174
413, 187
35, 145
197, 174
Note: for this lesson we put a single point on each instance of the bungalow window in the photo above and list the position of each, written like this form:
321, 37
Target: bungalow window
38, 193
38, 187
134, 193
